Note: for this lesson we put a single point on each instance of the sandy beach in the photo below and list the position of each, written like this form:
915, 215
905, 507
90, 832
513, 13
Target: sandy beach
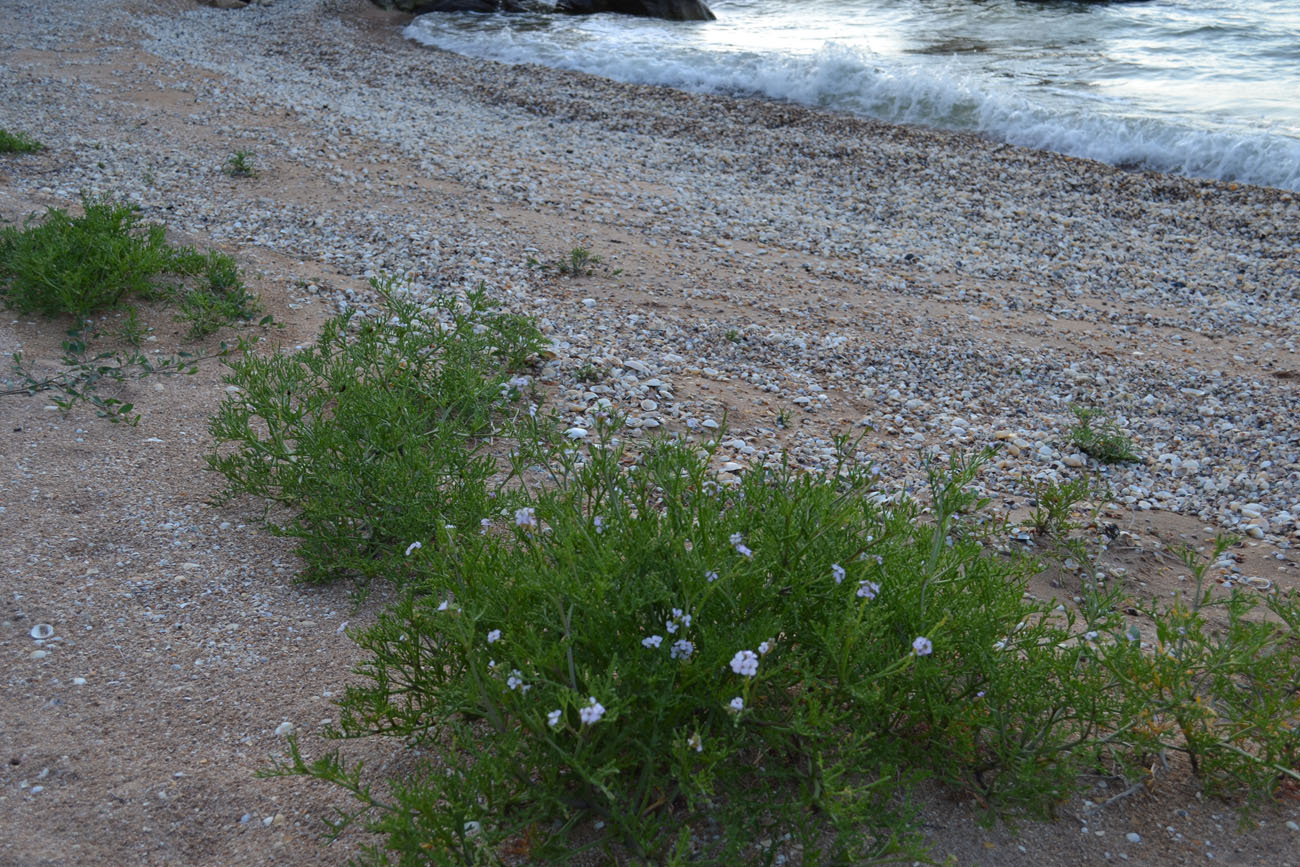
792, 273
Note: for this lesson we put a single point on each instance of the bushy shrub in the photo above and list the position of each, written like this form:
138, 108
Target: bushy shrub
377, 434
76, 265
680, 667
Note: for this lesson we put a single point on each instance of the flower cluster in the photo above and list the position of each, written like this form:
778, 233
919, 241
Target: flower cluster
494, 636
592, 712
868, 590
921, 646
681, 649
679, 618
652, 641
738, 542
553, 718
526, 517
516, 681
745, 663
737, 704
711, 576
838, 571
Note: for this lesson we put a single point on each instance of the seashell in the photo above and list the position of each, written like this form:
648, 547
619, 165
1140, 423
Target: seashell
42, 631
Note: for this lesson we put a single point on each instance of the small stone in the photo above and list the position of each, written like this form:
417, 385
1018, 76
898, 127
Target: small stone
78, 681
576, 433
1133, 837
649, 405
40, 654
284, 729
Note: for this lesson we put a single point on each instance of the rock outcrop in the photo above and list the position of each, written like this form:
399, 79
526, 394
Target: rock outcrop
673, 10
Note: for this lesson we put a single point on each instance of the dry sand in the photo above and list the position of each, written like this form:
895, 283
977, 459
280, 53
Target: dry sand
930, 290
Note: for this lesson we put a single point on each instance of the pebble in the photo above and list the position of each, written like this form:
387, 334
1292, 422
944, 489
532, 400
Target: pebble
284, 729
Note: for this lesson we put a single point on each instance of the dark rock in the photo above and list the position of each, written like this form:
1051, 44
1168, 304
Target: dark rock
420, 7
673, 10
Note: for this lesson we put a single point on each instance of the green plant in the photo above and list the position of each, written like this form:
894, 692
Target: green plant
240, 165
1098, 435
580, 262
18, 143
132, 329
377, 433
219, 299
77, 265
783, 418
732, 335
84, 373
590, 373
653, 663
1054, 505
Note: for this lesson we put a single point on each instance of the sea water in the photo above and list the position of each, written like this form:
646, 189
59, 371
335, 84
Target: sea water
1205, 88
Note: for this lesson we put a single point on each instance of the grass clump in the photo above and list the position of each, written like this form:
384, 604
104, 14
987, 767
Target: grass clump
1098, 435
18, 143
377, 433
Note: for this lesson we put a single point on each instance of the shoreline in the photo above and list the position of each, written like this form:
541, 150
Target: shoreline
921, 289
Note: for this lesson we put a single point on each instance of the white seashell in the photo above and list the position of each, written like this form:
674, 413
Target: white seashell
42, 631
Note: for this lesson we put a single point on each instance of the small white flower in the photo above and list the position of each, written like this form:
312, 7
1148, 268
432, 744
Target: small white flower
696, 743
599, 523
414, 546
737, 704
444, 605
711, 576
766, 647
838, 571
652, 641
681, 649
745, 663
494, 636
553, 718
921, 646
868, 590
526, 517
592, 712
1090, 635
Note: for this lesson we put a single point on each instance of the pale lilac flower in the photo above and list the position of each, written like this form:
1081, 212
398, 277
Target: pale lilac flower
652, 641
868, 590
745, 663
414, 546
838, 571
599, 524
526, 517
1000, 645
483, 525
711, 576
681, 617
681, 649
671, 626
515, 680
592, 712
737, 704
494, 636
737, 538
922, 646
446, 603
553, 718
696, 742
766, 647
1090, 635
743, 550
